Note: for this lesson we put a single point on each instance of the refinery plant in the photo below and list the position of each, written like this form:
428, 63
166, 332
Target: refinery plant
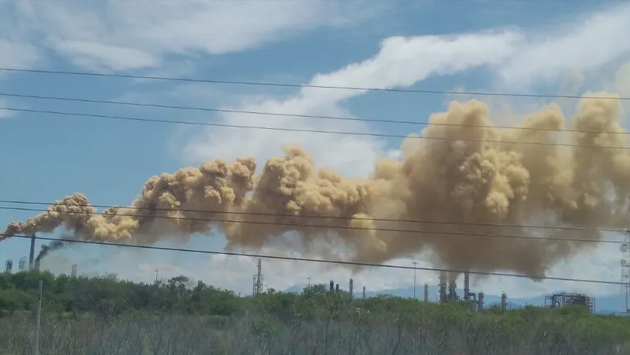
447, 287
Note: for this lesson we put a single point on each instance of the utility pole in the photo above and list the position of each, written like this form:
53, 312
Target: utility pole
38, 318
415, 263
625, 266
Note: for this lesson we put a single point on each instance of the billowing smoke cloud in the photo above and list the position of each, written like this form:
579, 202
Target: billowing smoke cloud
468, 173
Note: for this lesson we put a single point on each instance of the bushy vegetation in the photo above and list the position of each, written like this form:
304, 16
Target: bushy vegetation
104, 316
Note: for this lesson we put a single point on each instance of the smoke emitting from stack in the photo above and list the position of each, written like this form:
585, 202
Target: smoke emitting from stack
470, 173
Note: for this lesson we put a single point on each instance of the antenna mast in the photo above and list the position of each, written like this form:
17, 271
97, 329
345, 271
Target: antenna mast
258, 279
625, 266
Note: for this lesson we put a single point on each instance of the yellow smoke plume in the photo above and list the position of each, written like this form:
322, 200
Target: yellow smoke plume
465, 172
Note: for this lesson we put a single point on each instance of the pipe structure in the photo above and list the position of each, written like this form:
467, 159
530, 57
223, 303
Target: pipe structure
466, 286
442, 287
31, 255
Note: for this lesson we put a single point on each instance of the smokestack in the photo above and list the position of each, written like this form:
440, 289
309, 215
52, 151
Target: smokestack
426, 292
351, 287
332, 285
22, 264
480, 302
36, 264
337, 288
452, 290
466, 286
363, 292
31, 255
74, 270
503, 301
9, 266
442, 286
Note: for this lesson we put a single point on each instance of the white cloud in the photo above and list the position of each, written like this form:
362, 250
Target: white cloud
400, 62
123, 35
99, 56
4, 113
14, 54
585, 44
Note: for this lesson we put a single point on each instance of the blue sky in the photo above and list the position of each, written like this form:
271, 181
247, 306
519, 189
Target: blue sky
546, 47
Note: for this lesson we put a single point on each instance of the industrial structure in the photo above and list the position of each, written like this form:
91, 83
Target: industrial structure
625, 267
258, 280
442, 287
74, 270
448, 291
31, 255
564, 299
22, 264
426, 292
9, 266
351, 287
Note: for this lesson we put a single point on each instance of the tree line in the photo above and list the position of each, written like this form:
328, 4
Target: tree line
277, 318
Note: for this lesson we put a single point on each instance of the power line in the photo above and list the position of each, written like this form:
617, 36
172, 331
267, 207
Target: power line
277, 114
430, 234
264, 214
311, 260
283, 129
313, 86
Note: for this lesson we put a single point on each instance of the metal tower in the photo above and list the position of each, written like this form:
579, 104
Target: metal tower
9, 266
625, 266
415, 265
426, 292
258, 279
31, 255
22, 264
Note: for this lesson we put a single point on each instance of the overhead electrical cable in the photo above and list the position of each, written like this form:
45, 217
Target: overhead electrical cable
292, 85
264, 214
212, 124
311, 260
429, 234
266, 113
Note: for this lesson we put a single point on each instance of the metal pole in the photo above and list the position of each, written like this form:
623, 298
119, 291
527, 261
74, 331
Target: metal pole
414, 279
38, 319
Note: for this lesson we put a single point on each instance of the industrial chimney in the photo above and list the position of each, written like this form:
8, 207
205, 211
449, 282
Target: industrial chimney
9, 266
74, 270
22, 264
332, 285
351, 287
452, 290
442, 287
480, 301
337, 288
363, 292
426, 292
466, 286
31, 255
503, 301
